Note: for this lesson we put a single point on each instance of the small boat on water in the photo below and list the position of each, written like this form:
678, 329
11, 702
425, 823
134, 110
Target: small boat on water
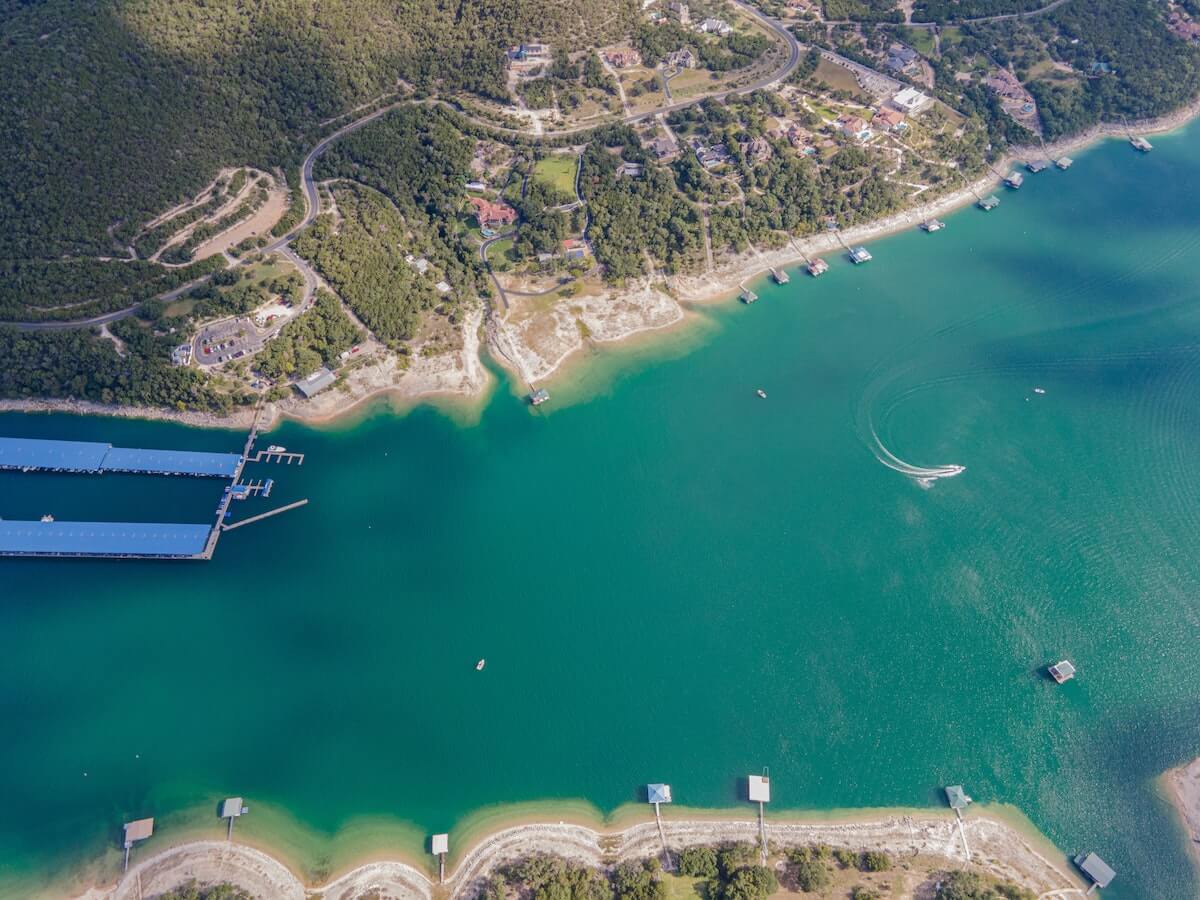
47, 518
277, 448
479, 665
761, 393
1039, 390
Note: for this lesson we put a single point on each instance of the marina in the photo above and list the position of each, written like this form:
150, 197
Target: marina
133, 540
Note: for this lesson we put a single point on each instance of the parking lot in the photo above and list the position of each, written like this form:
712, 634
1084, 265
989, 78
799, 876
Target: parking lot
222, 342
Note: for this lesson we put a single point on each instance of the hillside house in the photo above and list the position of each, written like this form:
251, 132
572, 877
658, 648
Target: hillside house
901, 58
681, 59
663, 148
573, 248
719, 27
623, 58
855, 127
888, 119
491, 214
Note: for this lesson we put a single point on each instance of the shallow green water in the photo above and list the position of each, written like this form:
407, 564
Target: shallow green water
672, 579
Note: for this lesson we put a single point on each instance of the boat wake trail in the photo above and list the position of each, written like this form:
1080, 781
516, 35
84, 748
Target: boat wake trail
925, 476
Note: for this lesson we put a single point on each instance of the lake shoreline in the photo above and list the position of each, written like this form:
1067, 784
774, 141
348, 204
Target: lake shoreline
689, 292
1002, 843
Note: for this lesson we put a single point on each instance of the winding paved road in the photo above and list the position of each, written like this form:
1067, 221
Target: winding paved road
310, 188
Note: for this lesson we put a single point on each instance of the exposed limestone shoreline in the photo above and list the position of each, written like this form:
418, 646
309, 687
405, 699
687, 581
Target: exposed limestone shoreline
1182, 786
996, 848
536, 349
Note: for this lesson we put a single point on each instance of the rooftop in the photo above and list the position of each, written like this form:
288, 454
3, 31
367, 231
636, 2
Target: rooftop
658, 793
760, 789
101, 539
1097, 869
440, 844
90, 456
957, 797
231, 807
315, 383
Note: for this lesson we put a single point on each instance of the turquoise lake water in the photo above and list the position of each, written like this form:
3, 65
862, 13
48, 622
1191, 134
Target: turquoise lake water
673, 579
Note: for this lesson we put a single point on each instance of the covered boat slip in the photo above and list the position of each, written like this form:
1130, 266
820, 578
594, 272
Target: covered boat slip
116, 539
91, 457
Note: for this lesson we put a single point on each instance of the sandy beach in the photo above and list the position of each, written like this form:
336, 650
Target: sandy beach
1182, 787
986, 843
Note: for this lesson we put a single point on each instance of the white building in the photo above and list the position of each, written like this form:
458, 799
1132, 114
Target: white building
910, 100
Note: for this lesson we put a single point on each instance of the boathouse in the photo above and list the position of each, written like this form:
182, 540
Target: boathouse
987, 204
1062, 671
103, 539
1014, 180
760, 788
540, 396
90, 457
957, 797
1037, 165
658, 793
1096, 869
860, 255
817, 267
1064, 162
748, 296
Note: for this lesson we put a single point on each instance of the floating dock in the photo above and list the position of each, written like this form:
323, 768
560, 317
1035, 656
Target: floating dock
1014, 179
748, 296
1037, 165
1062, 671
860, 255
817, 267
1140, 144
780, 276
987, 204
120, 540
86, 457
932, 225
1064, 162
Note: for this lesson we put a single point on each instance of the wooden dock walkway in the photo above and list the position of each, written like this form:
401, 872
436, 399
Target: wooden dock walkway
278, 456
229, 526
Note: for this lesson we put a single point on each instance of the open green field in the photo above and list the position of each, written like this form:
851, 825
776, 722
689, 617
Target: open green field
837, 77
557, 171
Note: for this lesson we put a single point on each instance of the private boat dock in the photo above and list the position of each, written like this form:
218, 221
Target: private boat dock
747, 296
1140, 144
860, 255
1014, 179
1037, 165
1064, 162
780, 276
987, 204
932, 225
817, 267
133, 540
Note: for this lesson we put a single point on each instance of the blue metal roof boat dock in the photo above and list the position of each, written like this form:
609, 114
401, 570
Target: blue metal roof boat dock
30, 455
113, 539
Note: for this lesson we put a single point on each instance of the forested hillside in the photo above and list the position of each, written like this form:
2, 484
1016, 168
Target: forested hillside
111, 110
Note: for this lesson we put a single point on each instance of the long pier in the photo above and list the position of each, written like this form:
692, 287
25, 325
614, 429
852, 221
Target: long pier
229, 526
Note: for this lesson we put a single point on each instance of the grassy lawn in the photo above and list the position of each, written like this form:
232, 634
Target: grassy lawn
951, 35
920, 39
180, 307
558, 171
837, 77
501, 249
680, 887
